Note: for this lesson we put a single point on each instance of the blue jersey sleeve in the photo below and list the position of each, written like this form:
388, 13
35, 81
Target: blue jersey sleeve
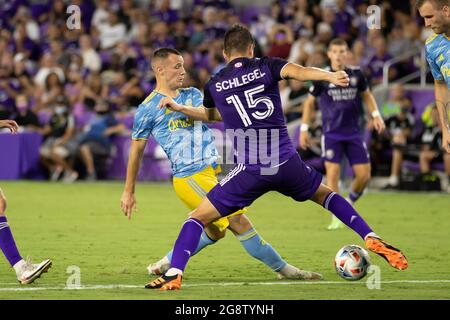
208, 101
275, 65
435, 71
197, 97
142, 124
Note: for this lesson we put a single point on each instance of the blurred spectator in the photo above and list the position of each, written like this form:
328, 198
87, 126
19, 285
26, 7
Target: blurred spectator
280, 39
48, 65
59, 143
399, 131
22, 75
9, 88
431, 150
377, 62
46, 95
24, 116
91, 59
95, 142
397, 98
112, 31
93, 90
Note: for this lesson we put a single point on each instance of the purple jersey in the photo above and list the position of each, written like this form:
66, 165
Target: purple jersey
341, 107
247, 96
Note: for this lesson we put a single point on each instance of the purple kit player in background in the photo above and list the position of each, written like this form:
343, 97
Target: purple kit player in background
341, 111
246, 94
26, 271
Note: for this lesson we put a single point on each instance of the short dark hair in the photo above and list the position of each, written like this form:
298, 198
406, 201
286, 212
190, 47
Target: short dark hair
237, 39
337, 42
163, 53
440, 3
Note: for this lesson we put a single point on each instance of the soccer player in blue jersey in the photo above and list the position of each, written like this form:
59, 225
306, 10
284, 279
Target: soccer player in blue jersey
190, 148
341, 109
26, 271
437, 16
247, 96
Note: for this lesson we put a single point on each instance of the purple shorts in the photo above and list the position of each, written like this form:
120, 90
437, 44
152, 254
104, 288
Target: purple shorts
354, 148
243, 186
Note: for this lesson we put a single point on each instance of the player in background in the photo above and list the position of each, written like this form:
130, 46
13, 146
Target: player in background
247, 96
437, 16
193, 156
341, 108
26, 271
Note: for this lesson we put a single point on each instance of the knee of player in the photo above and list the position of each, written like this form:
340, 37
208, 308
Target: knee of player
3, 204
239, 224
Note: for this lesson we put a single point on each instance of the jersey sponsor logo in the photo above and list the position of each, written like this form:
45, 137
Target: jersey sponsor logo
175, 124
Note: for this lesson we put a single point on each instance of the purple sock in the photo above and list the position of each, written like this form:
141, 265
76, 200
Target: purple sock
186, 243
7, 243
345, 212
354, 196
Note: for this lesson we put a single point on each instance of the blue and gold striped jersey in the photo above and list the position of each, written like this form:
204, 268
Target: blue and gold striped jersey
188, 144
438, 57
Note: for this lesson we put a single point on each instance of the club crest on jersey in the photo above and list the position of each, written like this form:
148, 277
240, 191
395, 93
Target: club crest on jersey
238, 64
353, 81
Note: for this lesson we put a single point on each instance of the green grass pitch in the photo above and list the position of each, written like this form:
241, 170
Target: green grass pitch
82, 225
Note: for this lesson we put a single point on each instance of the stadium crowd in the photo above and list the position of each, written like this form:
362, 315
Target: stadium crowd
80, 86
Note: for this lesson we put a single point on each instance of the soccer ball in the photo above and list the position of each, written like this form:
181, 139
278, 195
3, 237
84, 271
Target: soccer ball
352, 262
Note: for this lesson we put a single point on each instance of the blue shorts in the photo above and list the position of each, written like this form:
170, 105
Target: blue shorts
354, 148
242, 186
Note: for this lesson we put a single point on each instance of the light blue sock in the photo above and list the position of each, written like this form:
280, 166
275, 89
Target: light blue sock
204, 241
261, 250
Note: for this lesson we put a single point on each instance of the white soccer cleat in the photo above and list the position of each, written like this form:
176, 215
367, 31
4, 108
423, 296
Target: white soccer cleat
159, 267
29, 272
294, 273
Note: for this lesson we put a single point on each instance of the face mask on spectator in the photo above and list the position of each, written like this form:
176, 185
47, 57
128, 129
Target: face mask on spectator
60, 109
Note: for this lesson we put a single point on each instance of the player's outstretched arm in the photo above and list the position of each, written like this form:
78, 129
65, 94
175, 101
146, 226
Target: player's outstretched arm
308, 105
371, 103
128, 200
201, 113
300, 73
443, 105
10, 124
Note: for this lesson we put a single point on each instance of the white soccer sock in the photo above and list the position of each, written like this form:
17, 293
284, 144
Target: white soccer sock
393, 180
288, 271
372, 234
19, 266
173, 272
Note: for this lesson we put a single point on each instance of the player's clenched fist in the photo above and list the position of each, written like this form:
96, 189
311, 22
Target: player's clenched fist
340, 78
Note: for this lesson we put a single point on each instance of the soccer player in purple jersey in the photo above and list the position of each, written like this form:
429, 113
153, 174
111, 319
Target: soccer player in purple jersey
341, 109
246, 95
26, 271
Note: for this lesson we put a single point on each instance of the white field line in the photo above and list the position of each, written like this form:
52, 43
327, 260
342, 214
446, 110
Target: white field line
223, 284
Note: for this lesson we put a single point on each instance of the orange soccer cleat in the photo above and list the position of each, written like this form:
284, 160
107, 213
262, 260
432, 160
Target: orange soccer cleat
165, 283
392, 255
